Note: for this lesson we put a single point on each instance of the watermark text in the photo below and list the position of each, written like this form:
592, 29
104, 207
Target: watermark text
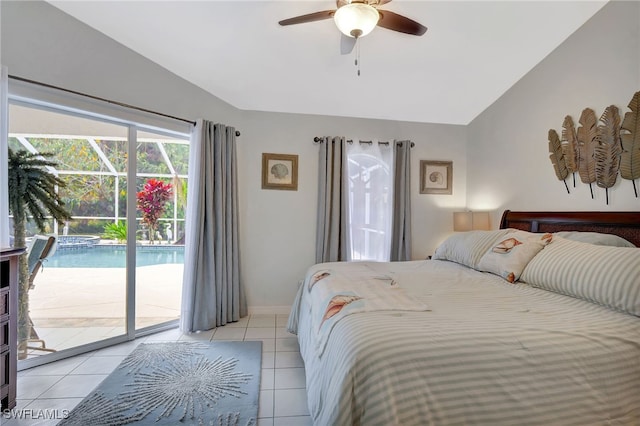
35, 414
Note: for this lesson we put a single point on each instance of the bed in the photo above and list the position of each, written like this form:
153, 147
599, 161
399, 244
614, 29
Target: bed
451, 341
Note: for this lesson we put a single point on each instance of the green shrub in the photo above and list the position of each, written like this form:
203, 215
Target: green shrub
115, 231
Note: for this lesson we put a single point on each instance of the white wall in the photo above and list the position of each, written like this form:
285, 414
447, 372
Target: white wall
277, 227
41, 43
597, 66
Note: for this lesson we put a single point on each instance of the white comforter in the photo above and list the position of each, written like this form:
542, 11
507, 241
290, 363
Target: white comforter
338, 292
486, 352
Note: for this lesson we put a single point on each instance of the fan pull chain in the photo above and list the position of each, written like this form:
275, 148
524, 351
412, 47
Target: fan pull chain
357, 62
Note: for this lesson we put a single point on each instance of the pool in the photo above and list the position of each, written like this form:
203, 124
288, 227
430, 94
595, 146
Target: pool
114, 256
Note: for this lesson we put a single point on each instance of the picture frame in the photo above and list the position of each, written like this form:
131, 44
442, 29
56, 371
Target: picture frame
280, 171
436, 177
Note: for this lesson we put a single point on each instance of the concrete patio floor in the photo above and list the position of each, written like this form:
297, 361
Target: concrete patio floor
75, 306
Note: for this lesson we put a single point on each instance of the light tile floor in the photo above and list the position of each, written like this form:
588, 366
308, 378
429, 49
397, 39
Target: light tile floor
61, 385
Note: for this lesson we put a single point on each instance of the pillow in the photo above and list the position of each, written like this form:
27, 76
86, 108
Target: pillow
609, 276
509, 256
467, 248
595, 238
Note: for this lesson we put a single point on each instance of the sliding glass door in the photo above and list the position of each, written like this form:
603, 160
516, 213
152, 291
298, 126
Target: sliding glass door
161, 191
116, 266
77, 295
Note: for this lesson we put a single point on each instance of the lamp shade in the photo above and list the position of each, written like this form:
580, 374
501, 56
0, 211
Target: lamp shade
356, 19
462, 221
481, 221
471, 221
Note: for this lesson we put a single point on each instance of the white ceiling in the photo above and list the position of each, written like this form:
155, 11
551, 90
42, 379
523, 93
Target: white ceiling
471, 54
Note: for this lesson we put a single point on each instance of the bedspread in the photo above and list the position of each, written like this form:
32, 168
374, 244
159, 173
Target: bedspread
487, 352
336, 293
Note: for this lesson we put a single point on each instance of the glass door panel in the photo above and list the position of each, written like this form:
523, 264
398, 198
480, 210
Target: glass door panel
161, 203
78, 294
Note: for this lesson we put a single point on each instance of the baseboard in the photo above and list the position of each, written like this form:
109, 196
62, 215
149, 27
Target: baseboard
269, 310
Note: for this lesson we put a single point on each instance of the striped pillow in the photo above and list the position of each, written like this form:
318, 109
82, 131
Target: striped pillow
595, 238
609, 276
467, 248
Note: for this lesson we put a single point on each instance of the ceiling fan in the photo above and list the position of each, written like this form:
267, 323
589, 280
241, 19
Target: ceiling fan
357, 18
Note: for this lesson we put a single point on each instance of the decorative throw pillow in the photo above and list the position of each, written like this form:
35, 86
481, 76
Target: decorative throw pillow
467, 248
595, 238
512, 253
609, 276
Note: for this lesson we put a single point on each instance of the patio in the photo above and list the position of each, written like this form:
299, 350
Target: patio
75, 306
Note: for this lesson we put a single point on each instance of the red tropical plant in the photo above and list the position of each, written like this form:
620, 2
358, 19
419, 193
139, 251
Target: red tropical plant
152, 202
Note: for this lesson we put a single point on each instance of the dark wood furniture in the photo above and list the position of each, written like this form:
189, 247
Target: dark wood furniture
8, 325
623, 224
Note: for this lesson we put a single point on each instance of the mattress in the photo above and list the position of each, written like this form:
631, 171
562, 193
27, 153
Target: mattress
484, 351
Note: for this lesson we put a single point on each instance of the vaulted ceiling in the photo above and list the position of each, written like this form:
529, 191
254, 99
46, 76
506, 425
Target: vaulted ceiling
471, 54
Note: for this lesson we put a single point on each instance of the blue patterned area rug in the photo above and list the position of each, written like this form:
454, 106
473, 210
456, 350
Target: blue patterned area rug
178, 383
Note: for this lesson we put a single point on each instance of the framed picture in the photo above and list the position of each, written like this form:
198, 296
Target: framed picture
280, 171
436, 177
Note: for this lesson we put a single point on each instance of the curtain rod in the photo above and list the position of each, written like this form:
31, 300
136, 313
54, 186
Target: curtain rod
318, 139
97, 98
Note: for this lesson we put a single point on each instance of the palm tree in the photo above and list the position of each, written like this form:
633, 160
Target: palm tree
32, 195
180, 187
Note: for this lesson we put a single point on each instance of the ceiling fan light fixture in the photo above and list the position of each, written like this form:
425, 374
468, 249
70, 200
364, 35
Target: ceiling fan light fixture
356, 19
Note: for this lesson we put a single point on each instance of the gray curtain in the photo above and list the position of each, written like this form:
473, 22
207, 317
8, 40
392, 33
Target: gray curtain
401, 228
212, 292
4, 157
331, 236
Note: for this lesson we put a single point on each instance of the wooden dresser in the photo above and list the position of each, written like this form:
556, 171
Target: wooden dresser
8, 325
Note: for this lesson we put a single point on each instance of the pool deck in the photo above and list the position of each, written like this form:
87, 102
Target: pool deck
73, 306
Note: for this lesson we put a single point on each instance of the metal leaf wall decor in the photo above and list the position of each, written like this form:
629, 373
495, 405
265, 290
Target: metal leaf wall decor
630, 134
608, 149
570, 146
587, 141
599, 149
557, 157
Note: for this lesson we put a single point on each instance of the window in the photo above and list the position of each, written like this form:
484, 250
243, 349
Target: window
370, 188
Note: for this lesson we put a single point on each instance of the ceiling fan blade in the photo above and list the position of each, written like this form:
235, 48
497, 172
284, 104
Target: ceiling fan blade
395, 22
346, 44
311, 17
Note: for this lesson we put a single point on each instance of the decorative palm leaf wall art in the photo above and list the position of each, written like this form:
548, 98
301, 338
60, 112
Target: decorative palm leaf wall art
599, 149
587, 141
630, 133
557, 157
608, 149
570, 146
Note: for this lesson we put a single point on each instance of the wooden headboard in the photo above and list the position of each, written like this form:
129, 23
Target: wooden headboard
623, 224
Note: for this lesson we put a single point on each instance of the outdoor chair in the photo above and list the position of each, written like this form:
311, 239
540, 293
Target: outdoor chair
40, 249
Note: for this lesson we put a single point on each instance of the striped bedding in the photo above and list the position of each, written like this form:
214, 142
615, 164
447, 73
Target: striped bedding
487, 352
353, 290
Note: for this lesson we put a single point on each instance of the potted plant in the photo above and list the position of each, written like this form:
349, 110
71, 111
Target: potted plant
32, 196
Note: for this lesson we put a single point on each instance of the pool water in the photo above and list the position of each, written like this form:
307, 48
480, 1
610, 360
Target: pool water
114, 257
